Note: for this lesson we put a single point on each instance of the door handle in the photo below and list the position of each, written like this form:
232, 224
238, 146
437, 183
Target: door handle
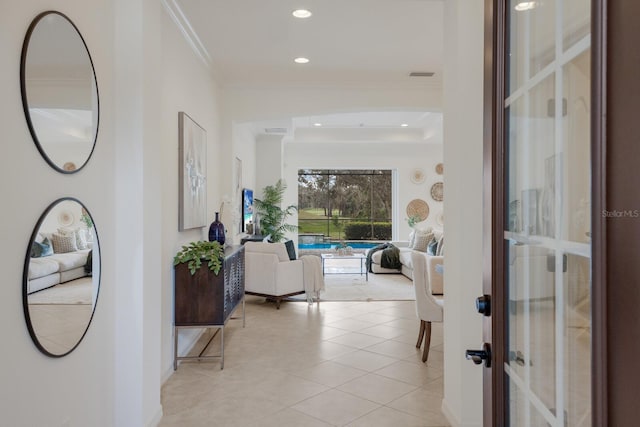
478, 356
483, 305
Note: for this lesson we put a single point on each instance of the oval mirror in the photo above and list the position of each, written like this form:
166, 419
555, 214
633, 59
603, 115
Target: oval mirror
59, 92
61, 277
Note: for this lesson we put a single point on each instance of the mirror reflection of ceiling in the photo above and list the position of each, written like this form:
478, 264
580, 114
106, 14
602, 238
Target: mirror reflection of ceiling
60, 90
57, 52
61, 277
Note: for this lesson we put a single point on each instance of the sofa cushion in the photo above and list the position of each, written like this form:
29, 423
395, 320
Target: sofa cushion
40, 267
405, 257
71, 260
376, 257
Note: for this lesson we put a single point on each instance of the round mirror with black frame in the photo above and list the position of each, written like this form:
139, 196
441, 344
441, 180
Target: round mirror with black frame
61, 277
59, 92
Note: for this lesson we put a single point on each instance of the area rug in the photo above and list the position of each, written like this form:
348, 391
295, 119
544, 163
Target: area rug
77, 291
353, 287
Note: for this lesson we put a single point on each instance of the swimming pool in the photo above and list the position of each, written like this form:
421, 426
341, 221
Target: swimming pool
331, 245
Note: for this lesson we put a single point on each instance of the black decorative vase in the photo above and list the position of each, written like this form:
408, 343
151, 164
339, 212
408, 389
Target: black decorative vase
216, 231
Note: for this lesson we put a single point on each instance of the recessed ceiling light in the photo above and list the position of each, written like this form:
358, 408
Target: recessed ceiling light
317, 124
301, 60
404, 125
526, 5
301, 13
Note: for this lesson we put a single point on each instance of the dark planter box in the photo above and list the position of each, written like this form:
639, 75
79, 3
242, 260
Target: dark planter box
198, 298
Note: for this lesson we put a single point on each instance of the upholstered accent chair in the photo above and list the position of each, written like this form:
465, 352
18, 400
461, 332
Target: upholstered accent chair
429, 308
269, 272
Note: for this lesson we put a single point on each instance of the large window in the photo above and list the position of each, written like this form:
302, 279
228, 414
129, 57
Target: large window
344, 204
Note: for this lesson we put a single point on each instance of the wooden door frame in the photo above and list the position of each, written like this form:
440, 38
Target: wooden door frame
493, 218
613, 400
616, 270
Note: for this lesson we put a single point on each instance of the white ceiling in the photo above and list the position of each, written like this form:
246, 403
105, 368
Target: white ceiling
254, 42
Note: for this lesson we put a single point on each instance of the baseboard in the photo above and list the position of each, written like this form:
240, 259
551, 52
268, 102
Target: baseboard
183, 348
157, 417
453, 419
448, 414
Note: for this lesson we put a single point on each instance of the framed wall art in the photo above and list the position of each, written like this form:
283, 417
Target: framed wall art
192, 173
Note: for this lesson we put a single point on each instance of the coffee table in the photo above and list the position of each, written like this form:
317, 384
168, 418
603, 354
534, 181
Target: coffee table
360, 257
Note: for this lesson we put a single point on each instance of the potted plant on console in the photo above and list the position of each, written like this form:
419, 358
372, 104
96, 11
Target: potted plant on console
198, 283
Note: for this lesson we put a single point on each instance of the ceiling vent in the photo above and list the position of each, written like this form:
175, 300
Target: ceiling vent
275, 130
421, 74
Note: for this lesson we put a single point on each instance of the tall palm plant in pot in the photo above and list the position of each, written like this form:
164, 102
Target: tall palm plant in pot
272, 215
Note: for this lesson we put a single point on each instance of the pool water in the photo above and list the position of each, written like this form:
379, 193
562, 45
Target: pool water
331, 245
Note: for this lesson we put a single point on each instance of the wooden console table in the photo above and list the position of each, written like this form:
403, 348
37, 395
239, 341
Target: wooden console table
207, 300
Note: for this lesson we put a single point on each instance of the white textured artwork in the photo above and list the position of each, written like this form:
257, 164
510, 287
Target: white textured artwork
193, 174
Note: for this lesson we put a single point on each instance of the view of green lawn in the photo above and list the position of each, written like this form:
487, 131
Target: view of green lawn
314, 221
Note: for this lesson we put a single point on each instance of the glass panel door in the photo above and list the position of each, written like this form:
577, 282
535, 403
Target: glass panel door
547, 234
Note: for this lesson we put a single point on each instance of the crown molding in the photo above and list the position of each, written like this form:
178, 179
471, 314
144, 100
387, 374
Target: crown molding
183, 24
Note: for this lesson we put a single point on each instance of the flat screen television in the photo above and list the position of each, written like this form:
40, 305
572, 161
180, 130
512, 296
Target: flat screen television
247, 211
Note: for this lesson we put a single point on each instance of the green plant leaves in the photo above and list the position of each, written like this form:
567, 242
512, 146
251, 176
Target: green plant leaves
272, 216
193, 254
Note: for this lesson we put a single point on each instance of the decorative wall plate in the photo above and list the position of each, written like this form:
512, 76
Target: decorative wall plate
437, 191
439, 168
419, 208
66, 218
417, 176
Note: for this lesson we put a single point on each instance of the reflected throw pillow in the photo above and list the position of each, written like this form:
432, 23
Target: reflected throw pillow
64, 243
41, 249
81, 239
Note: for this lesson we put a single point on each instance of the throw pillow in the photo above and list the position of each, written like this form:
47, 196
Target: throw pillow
291, 249
41, 249
65, 231
81, 239
432, 247
412, 238
422, 240
440, 248
64, 243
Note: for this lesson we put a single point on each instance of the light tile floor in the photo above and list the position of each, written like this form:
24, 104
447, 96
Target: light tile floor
339, 364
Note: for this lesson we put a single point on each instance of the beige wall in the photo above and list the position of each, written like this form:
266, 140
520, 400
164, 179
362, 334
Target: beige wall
34, 389
463, 103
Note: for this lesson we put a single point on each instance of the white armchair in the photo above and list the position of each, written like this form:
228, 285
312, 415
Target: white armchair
270, 273
428, 307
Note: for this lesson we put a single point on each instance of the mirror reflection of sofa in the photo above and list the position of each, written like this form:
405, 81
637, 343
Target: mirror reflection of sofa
59, 257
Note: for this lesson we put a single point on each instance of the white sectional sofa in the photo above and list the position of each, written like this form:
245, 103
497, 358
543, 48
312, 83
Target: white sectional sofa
58, 257
57, 268
435, 263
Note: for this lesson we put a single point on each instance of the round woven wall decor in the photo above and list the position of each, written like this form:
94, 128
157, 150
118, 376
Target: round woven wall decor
439, 168
437, 191
417, 176
66, 218
419, 208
